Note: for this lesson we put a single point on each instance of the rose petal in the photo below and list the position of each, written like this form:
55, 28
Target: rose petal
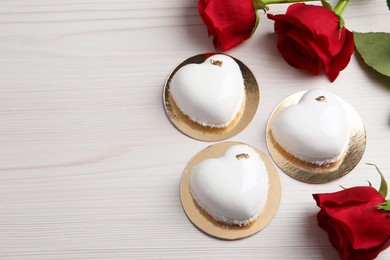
298, 58
230, 22
371, 253
319, 30
284, 23
322, 23
304, 53
341, 60
202, 5
355, 195
334, 237
354, 213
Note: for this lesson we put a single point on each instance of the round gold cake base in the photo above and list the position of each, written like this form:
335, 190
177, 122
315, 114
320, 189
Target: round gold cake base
205, 222
202, 133
312, 173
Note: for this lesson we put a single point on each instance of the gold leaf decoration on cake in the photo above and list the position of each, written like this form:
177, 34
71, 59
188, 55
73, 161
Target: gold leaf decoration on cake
321, 99
242, 156
216, 62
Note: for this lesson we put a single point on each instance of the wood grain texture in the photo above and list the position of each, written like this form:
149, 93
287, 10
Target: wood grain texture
89, 163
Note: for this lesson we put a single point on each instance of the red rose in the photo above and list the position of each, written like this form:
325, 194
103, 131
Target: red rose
229, 21
310, 38
355, 225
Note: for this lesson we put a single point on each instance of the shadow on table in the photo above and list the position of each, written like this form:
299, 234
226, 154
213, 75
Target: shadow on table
381, 79
319, 239
196, 30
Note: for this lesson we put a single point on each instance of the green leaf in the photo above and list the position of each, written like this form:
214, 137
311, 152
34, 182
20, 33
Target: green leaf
383, 188
329, 6
374, 47
388, 4
385, 206
369, 183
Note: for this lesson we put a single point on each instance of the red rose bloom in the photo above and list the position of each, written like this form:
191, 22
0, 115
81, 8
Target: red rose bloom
229, 21
355, 225
310, 38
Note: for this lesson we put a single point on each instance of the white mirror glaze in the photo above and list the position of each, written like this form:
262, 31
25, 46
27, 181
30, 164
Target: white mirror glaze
231, 190
313, 131
210, 95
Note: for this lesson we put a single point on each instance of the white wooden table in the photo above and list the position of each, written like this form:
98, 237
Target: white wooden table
89, 163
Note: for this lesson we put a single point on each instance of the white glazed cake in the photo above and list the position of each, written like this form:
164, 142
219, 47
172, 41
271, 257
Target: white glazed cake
211, 93
233, 188
315, 130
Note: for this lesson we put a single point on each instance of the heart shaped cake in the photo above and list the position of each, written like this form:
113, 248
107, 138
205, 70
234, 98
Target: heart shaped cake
315, 130
233, 188
211, 93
